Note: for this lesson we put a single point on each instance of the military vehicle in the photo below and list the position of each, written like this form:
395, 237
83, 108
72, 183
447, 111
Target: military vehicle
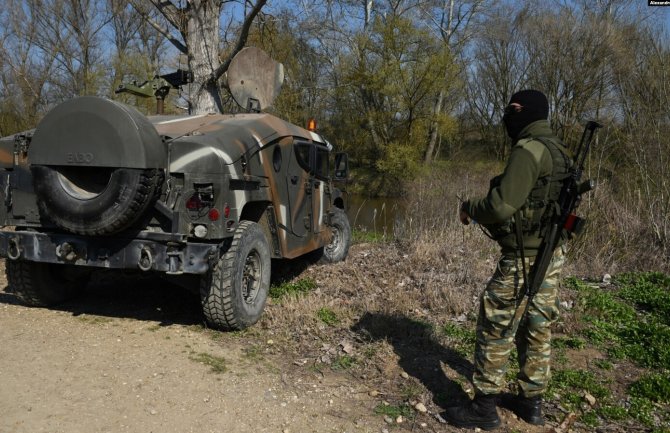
204, 200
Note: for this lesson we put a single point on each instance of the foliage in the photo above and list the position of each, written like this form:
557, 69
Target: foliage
462, 336
367, 236
653, 386
327, 316
343, 362
286, 288
640, 335
393, 411
629, 321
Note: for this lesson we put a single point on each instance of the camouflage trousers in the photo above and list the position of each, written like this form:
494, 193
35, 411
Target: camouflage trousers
498, 325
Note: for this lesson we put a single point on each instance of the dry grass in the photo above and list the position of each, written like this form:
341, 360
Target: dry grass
410, 304
436, 267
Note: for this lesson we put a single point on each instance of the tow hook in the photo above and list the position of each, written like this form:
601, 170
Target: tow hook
146, 259
66, 252
13, 249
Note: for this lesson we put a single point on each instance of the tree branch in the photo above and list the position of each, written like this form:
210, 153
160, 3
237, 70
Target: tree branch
241, 40
169, 11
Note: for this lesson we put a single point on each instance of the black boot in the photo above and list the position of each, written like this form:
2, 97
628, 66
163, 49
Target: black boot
480, 412
528, 409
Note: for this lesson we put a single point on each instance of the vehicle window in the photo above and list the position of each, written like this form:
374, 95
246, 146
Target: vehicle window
302, 155
321, 168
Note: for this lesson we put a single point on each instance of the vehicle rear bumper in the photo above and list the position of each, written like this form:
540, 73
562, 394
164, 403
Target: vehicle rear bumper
113, 253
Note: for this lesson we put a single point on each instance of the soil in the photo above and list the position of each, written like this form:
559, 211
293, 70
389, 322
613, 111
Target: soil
132, 356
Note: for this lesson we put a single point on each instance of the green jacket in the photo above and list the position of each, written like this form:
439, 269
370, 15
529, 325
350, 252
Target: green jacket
529, 161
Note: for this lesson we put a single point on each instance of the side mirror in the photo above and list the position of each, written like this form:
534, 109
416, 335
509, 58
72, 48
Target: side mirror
341, 166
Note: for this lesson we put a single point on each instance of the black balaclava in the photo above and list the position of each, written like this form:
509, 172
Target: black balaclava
534, 107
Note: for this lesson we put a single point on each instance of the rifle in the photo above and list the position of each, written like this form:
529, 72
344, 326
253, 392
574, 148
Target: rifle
564, 220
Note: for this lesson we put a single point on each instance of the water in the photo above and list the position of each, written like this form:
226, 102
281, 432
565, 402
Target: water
374, 214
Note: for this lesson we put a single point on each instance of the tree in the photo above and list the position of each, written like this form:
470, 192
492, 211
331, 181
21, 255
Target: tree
195, 32
394, 69
453, 23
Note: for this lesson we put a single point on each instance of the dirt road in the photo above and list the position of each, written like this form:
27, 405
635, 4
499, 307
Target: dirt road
133, 358
132, 355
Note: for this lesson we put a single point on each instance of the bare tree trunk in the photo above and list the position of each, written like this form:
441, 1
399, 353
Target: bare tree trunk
433, 129
198, 28
202, 40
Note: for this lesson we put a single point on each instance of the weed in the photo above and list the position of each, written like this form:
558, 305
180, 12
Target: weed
642, 336
462, 337
568, 383
154, 328
613, 412
653, 386
367, 237
327, 316
393, 411
343, 362
603, 364
642, 409
369, 352
253, 353
410, 391
649, 291
590, 418
286, 288
217, 364
568, 343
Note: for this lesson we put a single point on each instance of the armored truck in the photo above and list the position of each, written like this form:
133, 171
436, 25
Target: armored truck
206, 200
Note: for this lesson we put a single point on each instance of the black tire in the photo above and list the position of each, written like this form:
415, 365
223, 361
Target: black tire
94, 200
338, 248
234, 291
45, 284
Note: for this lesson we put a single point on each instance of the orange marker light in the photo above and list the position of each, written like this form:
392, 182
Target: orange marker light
311, 125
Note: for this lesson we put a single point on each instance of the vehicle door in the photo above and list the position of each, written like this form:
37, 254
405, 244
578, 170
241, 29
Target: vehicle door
299, 181
307, 180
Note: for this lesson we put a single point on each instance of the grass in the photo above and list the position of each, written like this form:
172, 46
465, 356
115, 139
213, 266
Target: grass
626, 323
402, 295
462, 338
367, 236
568, 343
394, 411
343, 362
652, 386
327, 316
629, 323
217, 364
296, 288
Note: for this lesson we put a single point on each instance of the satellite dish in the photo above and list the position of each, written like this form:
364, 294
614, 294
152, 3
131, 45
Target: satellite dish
254, 79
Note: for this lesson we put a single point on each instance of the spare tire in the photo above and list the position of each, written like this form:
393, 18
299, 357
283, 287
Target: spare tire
94, 200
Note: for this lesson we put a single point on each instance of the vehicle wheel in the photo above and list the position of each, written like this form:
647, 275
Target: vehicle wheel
44, 284
338, 248
94, 200
234, 291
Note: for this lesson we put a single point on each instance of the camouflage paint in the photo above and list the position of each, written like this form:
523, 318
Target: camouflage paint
241, 146
501, 304
205, 149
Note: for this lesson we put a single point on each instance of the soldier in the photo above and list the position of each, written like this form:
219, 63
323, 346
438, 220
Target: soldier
527, 190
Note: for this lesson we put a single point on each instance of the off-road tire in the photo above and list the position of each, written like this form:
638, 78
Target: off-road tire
44, 284
94, 200
234, 291
338, 248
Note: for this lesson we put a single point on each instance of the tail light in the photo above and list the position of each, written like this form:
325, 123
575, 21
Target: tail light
201, 202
